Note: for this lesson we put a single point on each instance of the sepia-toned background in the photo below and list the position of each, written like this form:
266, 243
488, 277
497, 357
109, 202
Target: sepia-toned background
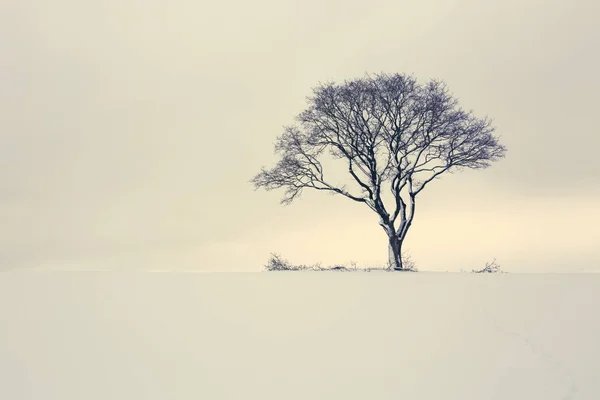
129, 131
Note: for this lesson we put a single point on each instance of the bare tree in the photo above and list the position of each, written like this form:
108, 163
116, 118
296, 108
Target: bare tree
395, 137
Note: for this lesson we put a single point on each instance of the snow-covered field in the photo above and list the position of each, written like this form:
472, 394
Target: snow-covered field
308, 335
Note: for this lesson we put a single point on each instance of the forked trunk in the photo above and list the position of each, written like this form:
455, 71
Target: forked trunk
395, 253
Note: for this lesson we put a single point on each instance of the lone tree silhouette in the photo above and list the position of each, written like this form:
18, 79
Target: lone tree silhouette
394, 135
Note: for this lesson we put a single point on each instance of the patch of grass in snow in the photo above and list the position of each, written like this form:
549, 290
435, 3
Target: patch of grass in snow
278, 263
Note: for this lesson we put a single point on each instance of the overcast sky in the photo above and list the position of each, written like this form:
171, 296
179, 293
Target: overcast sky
130, 129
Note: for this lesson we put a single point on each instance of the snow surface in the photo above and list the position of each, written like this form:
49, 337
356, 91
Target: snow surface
298, 335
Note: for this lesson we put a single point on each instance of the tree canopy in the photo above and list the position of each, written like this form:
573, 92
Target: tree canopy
393, 135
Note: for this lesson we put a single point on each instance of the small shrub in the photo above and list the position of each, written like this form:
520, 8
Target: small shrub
490, 268
278, 263
408, 263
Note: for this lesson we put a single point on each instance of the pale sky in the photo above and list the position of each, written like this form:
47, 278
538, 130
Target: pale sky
130, 130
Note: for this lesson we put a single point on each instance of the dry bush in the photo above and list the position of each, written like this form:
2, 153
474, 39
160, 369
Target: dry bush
277, 263
490, 268
408, 263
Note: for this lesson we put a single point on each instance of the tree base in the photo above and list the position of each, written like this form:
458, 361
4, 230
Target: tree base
403, 270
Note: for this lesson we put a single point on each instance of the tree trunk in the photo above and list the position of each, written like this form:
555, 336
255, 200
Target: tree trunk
395, 253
